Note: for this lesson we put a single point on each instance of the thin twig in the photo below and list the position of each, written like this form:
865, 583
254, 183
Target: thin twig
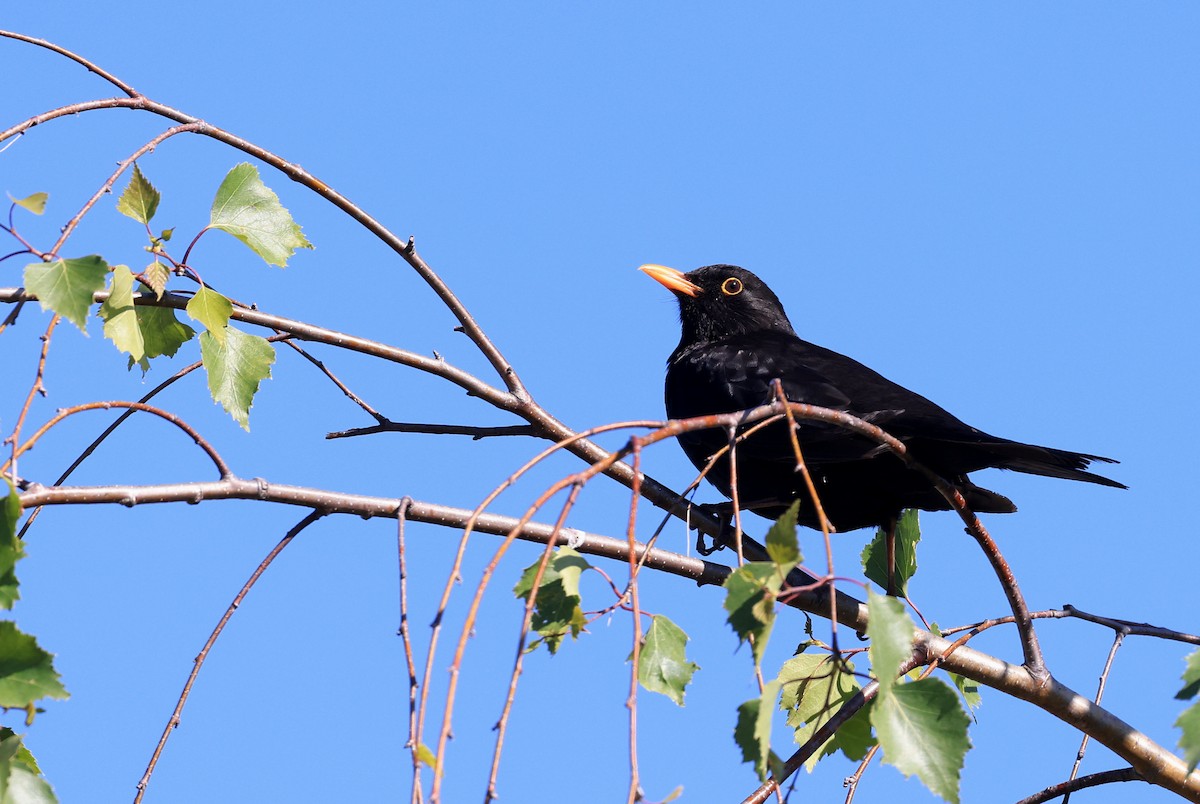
38, 387
1112, 654
106, 188
501, 726
475, 433
173, 721
413, 746
201, 442
635, 602
1092, 780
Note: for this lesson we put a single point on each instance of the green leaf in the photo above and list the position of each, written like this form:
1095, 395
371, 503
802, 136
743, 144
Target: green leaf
815, 688
35, 203
12, 549
212, 310
162, 332
557, 611
425, 755
1189, 741
26, 671
1191, 678
140, 199
67, 286
251, 212
891, 633
750, 592
753, 731
156, 276
782, 544
21, 781
874, 555
969, 690
662, 663
235, 369
923, 730
120, 317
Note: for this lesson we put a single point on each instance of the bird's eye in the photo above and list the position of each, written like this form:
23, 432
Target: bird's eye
731, 286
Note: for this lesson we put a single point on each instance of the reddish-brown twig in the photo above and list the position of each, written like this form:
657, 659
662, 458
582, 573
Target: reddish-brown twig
519, 660
217, 460
413, 746
635, 445
38, 387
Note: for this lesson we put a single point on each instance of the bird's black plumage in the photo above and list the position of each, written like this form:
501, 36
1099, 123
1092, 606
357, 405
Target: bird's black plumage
737, 339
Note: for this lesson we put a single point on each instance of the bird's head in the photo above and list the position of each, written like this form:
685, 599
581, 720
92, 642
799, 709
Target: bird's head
717, 301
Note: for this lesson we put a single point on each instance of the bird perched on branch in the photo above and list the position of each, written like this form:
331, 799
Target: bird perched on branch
737, 339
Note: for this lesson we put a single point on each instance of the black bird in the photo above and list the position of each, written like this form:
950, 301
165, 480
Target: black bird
737, 339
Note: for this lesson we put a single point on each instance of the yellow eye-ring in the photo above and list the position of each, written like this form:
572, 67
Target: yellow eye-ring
731, 286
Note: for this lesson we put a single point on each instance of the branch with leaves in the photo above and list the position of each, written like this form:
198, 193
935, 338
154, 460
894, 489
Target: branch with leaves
833, 701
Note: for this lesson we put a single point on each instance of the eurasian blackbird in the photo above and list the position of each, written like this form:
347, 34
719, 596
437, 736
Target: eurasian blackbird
737, 339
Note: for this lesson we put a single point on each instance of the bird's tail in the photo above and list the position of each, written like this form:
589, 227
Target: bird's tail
1050, 462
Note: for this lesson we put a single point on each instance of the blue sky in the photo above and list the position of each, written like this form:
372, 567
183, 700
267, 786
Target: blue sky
995, 205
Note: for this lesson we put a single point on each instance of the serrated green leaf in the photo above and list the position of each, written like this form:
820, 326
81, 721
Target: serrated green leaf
1191, 677
557, 612
750, 593
235, 369
874, 555
212, 310
969, 690
12, 549
923, 730
20, 779
753, 731
156, 276
1189, 740
782, 545
251, 212
814, 689
139, 200
35, 203
67, 286
891, 633
162, 332
120, 316
662, 663
26, 671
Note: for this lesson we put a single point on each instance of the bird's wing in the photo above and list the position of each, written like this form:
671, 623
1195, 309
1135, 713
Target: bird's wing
736, 374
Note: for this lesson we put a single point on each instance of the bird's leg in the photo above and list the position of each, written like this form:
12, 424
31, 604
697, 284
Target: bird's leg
889, 538
724, 513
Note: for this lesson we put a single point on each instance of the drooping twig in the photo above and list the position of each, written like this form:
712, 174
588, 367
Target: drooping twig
201, 442
519, 660
413, 746
173, 722
635, 602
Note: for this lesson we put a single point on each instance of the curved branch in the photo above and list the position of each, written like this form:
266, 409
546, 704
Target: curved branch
217, 460
1092, 780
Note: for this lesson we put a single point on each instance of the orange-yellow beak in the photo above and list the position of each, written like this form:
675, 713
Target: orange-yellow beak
671, 279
